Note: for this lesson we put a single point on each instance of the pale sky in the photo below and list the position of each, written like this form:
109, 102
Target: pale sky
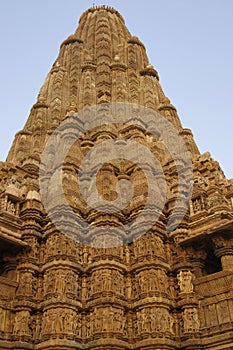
190, 43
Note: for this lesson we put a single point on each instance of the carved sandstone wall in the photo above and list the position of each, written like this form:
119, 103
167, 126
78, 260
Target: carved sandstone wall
165, 290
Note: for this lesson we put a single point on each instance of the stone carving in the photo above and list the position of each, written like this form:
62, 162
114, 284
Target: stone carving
217, 200
108, 320
26, 284
70, 322
191, 320
57, 324
46, 323
127, 255
11, 208
154, 320
211, 315
86, 255
7, 290
79, 325
36, 328
152, 281
128, 287
118, 282
129, 331
61, 282
33, 252
220, 242
149, 246
143, 281
223, 312
197, 204
230, 303
39, 288
86, 329
59, 244
13, 182
49, 282
185, 281
163, 281
2, 319
224, 250
53, 322
107, 280
57, 321
21, 323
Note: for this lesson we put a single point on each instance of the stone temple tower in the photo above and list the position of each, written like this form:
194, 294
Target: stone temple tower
79, 276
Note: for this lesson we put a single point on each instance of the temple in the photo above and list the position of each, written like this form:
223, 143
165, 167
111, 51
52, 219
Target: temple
167, 287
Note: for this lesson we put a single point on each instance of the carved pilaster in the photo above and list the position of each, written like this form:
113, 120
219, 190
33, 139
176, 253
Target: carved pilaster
224, 250
197, 259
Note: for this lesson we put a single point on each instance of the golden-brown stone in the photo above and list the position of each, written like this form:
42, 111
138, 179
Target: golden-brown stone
165, 290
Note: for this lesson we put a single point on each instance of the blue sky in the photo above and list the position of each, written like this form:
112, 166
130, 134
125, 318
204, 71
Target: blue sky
190, 43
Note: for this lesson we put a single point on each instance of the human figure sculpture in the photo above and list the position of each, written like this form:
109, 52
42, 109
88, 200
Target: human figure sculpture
11, 207
191, 320
21, 325
185, 281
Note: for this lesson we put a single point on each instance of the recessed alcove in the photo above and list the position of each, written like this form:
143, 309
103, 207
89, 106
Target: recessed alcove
212, 263
9, 248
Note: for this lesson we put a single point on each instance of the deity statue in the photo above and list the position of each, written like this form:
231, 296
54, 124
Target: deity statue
185, 281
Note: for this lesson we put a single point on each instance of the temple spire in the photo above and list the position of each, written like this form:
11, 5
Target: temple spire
100, 62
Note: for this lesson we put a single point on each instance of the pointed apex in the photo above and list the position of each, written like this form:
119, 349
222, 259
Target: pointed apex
101, 8
100, 18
